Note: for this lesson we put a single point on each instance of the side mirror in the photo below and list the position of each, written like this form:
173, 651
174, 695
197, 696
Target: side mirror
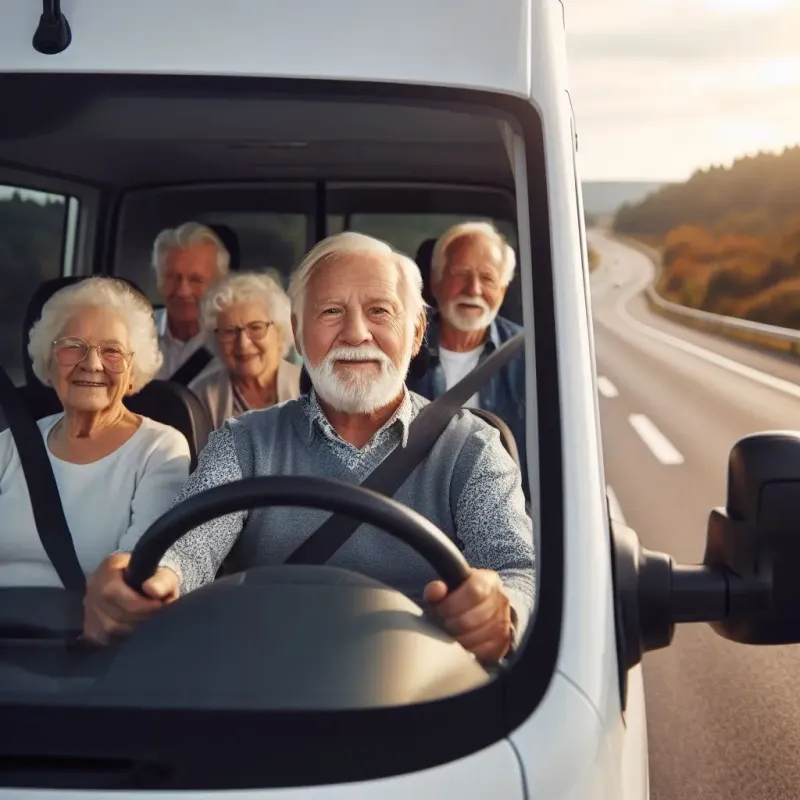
756, 538
748, 586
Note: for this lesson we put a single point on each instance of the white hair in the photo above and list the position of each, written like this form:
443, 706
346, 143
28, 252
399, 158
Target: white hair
187, 235
98, 292
347, 243
247, 287
505, 259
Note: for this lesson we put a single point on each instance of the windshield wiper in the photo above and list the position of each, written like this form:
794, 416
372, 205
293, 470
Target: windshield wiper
53, 35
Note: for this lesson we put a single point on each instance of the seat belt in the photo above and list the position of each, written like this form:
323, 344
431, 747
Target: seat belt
48, 513
392, 472
192, 367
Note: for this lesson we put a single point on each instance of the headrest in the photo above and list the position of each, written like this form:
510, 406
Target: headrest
43, 293
230, 239
423, 259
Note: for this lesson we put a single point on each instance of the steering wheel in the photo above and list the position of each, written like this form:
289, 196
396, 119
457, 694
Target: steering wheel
326, 494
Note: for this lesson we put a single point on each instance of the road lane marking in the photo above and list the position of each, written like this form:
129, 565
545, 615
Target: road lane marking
764, 378
614, 508
661, 447
606, 388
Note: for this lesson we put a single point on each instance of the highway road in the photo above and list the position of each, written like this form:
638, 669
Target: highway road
723, 718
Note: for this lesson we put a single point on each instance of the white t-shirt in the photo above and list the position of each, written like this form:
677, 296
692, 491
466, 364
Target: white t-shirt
108, 504
175, 351
457, 365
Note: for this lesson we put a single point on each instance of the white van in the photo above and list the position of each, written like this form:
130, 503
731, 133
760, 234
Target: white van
283, 122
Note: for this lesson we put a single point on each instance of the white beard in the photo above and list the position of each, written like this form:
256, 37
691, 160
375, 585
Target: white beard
464, 322
352, 392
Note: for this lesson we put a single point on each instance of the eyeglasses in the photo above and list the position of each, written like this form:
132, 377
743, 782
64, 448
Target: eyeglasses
70, 353
253, 330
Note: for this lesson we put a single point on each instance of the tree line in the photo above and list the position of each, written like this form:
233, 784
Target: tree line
730, 237
31, 235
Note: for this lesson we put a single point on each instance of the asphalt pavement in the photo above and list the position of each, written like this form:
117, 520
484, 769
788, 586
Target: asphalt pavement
723, 718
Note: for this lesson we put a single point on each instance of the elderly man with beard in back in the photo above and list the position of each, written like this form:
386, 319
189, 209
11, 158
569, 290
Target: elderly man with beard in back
358, 317
471, 268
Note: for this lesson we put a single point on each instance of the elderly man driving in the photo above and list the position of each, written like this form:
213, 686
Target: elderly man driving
358, 318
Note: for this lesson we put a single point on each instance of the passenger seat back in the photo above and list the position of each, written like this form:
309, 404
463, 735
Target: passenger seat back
424, 259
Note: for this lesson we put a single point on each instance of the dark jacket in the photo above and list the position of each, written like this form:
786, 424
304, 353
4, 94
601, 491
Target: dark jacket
503, 395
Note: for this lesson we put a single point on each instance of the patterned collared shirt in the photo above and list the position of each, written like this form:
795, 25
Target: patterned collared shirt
468, 486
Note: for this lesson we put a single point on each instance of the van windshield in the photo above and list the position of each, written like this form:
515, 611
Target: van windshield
214, 335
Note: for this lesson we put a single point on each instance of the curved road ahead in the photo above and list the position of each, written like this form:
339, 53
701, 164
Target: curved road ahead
723, 718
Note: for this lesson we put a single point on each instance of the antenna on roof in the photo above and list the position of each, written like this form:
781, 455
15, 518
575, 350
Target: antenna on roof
53, 35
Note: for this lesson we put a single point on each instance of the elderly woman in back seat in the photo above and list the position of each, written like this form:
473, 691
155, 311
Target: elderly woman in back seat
247, 320
116, 472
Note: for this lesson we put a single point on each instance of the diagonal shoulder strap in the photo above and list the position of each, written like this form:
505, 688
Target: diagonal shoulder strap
192, 367
392, 472
48, 513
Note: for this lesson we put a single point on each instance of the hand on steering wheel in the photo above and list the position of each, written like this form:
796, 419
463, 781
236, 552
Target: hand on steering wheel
112, 609
126, 590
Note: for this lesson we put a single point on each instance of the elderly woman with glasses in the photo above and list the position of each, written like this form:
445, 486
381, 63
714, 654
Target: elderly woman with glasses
247, 320
116, 472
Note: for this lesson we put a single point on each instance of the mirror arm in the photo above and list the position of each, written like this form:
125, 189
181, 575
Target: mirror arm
711, 594
653, 594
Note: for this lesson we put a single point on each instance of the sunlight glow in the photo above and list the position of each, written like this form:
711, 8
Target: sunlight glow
737, 6
682, 83
739, 136
779, 72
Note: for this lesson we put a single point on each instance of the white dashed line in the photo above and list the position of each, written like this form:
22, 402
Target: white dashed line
614, 508
659, 445
606, 388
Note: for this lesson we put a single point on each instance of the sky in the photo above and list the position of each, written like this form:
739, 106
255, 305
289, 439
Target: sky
664, 87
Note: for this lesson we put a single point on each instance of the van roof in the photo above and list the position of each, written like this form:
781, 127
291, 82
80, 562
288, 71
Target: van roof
432, 42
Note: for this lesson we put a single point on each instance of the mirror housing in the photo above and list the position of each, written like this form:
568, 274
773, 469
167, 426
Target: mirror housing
756, 539
748, 586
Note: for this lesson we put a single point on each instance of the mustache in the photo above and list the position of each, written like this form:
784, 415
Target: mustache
473, 301
364, 353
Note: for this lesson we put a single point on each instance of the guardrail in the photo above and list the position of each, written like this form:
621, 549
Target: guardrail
772, 337
785, 340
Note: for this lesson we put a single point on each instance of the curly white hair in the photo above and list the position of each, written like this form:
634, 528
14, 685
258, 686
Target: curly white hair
244, 287
98, 292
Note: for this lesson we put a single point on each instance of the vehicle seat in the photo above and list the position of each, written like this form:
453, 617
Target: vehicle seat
423, 258
163, 401
506, 437
230, 239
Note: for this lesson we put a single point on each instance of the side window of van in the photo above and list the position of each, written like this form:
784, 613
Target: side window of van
37, 238
408, 231
262, 226
264, 239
